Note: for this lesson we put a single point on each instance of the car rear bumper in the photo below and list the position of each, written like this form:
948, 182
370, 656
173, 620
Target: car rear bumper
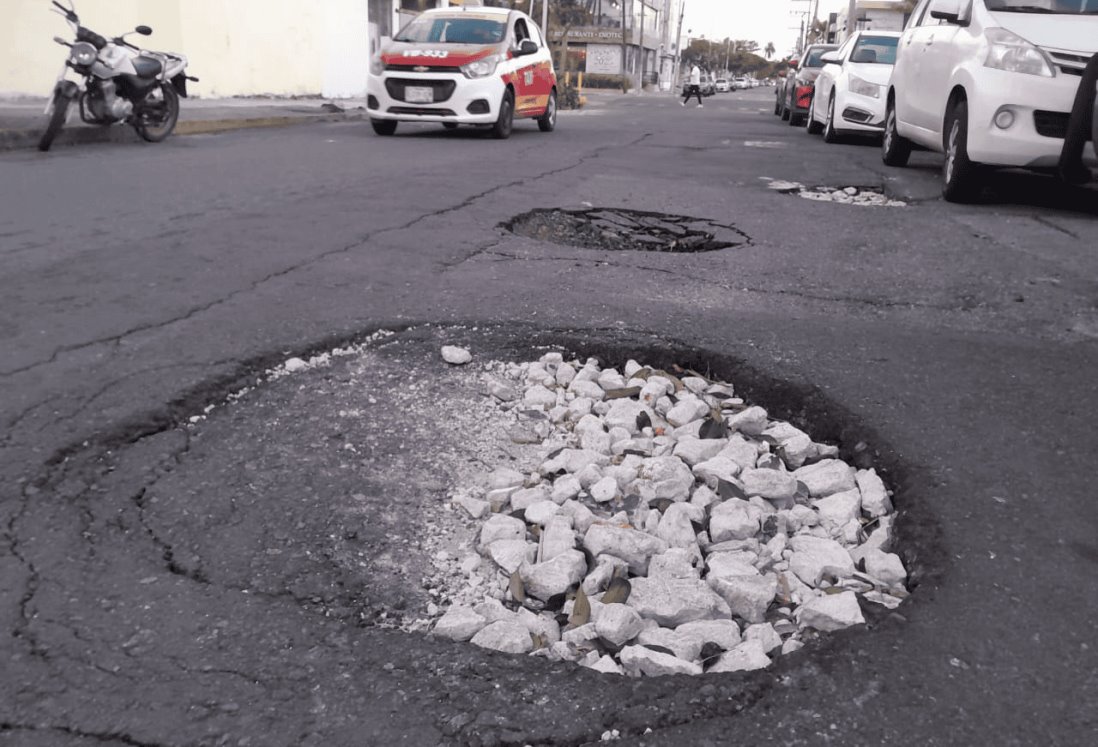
1037, 118
457, 99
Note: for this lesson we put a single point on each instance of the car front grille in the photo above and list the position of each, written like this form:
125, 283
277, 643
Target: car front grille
422, 69
422, 111
1051, 124
443, 89
1068, 63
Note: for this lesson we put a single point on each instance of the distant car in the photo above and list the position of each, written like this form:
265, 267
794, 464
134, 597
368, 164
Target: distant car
708, 85
991, 83
795, 96
741, 84
722, 85
849, 95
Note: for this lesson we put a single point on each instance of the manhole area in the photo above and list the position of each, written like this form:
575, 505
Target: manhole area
626, 230
866, 196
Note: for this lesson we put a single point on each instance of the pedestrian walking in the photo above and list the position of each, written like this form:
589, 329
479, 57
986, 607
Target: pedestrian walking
694, 89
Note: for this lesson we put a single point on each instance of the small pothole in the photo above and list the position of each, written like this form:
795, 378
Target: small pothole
626, 230
866, 196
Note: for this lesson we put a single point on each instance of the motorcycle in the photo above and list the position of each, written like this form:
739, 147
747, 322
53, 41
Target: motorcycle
118, 83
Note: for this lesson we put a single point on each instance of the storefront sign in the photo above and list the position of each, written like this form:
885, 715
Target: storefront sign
604, 59
588, 34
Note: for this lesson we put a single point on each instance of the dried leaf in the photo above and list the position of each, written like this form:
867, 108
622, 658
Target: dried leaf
518, 589
626, 393
617, 592
581, 610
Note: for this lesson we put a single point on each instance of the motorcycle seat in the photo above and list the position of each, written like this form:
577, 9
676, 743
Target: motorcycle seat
147, 67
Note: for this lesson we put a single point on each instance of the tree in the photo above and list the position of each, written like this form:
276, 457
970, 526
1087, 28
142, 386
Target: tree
769, 51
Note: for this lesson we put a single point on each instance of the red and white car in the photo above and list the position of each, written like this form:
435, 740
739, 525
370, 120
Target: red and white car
464, 65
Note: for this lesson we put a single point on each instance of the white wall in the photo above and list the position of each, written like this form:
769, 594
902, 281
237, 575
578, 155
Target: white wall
236, 47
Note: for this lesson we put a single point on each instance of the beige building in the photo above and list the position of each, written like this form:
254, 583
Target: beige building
236, 47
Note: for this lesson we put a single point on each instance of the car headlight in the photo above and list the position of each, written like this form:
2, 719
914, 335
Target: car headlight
377, 67
1014, 54
863, 87
82, 54
482, 68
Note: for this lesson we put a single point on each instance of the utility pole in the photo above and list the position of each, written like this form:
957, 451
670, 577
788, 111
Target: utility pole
678, 47
545, 18
851, 19
640, 50
624, 52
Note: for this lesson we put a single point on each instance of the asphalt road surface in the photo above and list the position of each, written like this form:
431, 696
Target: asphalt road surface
147, 603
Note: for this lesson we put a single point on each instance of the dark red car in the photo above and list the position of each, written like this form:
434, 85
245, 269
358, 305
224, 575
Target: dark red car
794, 94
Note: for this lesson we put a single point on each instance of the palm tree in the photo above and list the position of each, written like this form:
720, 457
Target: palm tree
769, 51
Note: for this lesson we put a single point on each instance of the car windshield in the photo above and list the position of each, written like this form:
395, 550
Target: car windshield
875, 49
1062, 7
453, 29
814, 55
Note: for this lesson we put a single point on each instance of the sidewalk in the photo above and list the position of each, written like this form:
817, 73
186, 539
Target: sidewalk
22, 120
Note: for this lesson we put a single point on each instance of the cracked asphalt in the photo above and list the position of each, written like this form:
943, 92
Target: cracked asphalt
224, 584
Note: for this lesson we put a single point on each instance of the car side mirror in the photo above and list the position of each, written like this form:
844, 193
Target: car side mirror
527, 47
144, 30
950, 11
831, 58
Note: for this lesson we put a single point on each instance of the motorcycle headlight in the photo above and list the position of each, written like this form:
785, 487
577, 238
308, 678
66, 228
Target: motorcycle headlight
1012, 53
82, 54
481, 68
863, 87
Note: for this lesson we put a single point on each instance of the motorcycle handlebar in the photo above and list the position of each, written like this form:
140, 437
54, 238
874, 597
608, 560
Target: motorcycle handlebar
68, 13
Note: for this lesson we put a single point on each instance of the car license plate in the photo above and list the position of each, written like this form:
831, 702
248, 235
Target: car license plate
419, 95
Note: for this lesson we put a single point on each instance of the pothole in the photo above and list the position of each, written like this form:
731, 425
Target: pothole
640, 521
847, 195
618, 229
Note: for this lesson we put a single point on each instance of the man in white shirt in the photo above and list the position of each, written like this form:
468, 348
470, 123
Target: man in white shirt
694, 88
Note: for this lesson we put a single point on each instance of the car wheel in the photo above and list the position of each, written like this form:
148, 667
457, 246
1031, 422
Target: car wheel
831, 135
814, 127
785, 109
777, 107
384, 127
548, 122
795, 120
962, 180
895, 148
505, 122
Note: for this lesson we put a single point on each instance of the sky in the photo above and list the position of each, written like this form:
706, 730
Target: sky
761, 20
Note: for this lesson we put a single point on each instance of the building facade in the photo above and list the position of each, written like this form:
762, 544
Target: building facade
310, 48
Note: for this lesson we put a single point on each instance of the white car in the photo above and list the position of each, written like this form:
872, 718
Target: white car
722, 85
990, 83
464, 65
850, 90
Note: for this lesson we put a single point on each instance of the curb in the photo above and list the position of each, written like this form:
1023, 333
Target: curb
84, 135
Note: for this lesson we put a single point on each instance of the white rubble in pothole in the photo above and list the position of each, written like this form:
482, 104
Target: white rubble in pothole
862, 196
658, 524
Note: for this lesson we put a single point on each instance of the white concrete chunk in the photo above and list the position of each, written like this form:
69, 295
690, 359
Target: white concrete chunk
499, 527
636, 548
885, 567
687, 410
638, 660
830, 612
814, 556
751, 422
746, 657
827, 477
456, 356
507, 636
510, 554
770, 484
838, 509
605, 490
765, 634
674, 601
618, 624
875, 500
734, 520
459, 624
694, 451
718, 468
556, 576
747, 597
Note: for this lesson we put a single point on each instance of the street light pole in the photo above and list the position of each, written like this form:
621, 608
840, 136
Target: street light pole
678, 47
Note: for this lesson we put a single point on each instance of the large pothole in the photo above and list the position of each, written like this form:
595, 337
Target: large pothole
639, 520
617, 229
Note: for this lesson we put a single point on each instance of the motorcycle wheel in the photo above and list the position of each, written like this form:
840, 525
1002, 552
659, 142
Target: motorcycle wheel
60, 110
158, 114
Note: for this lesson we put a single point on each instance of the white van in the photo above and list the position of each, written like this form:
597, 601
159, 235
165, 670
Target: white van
989, 83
